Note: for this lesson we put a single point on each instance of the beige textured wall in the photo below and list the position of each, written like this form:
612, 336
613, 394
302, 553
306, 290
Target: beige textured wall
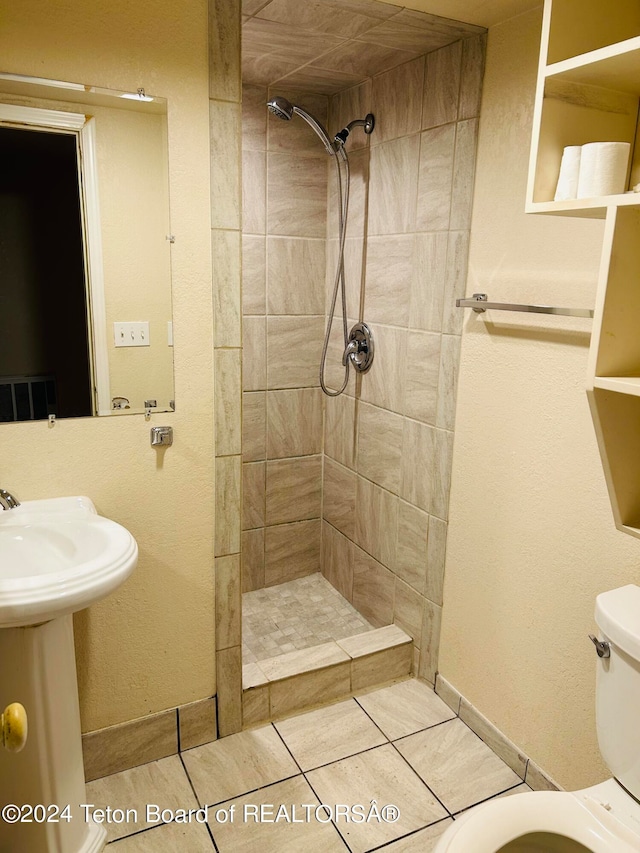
531, 535
150, 645
284, 226
388, 439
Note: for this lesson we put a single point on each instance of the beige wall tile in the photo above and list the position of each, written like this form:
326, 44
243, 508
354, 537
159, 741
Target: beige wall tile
255, 706
294, 420
329, 18
448, 381
537, 779
428, 283
229, 679
371, 670
398, 116
254, 353
295, 275
436, 176
291, 551
252, 560
224, 50
253, 676
448, 693
228, 480
254, 187
294, 347
390, 262
383, 385
225, 129
442, 85
225, 249
254, 287
118, 748
463, 174
350, 103
253, 494
407, 610
358, 62
393, 187
436, 549
411, 548
418, 450
373, 587
421, 382
376, 519
314, 688
297, 195
380, 446
455, 281
339, 497
493, 737
254, 425
228, 604
337, 560
294, 489
430, 648
354, 271
442, 460
340, 435
296, 137
254, 118
473, 55
227, 401
359, 171
198, 723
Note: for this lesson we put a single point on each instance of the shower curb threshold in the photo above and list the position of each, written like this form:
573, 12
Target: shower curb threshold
306, 678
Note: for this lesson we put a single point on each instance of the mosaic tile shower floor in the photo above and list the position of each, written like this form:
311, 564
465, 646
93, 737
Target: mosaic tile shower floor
295, 615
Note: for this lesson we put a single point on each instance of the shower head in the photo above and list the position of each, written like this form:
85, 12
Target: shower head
282, 108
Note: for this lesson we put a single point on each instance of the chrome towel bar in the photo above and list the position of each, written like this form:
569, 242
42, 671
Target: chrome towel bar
479, 303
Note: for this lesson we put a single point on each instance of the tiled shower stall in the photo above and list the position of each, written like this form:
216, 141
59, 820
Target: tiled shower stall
354, 487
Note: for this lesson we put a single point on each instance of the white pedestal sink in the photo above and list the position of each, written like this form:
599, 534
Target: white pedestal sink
56, 556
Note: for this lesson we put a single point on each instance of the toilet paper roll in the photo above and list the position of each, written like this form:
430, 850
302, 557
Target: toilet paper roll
569, 173
603, 169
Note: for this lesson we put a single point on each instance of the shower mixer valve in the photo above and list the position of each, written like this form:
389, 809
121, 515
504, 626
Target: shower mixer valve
359, 350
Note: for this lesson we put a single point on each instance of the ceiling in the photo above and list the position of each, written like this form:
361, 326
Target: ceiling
327, 45
485, 13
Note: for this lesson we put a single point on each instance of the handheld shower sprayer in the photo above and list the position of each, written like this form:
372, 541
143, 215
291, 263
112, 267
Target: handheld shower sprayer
358, 344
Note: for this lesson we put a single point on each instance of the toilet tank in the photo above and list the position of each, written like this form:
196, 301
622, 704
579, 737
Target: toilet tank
618, 685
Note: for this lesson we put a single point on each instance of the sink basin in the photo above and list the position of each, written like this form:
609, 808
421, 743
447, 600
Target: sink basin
58, 556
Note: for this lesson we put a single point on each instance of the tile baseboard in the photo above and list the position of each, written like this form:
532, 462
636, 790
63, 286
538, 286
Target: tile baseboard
301, 680
505, 749
121, 747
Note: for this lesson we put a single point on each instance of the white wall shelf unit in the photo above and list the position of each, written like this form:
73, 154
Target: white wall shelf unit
589, 91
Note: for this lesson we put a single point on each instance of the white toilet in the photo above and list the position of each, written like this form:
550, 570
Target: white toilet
601, 819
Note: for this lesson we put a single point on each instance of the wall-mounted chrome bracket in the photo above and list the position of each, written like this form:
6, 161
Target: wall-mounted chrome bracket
161, 436
360, 349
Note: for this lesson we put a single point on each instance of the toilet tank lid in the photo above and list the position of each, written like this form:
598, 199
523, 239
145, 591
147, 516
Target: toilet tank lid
618, 617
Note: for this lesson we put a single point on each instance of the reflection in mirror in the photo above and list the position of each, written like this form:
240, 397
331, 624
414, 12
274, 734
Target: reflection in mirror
85, 281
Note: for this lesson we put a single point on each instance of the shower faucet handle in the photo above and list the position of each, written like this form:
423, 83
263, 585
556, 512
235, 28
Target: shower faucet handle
359, 350
351, 349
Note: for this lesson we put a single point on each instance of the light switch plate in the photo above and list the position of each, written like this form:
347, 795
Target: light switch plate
131, 334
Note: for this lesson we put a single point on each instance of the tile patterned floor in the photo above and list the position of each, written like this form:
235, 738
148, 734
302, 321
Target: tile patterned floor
298, 614
399, 745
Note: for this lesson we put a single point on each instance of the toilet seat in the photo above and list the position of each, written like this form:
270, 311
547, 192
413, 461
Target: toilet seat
576, 816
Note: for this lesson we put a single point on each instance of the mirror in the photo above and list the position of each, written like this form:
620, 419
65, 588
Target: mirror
85, 267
